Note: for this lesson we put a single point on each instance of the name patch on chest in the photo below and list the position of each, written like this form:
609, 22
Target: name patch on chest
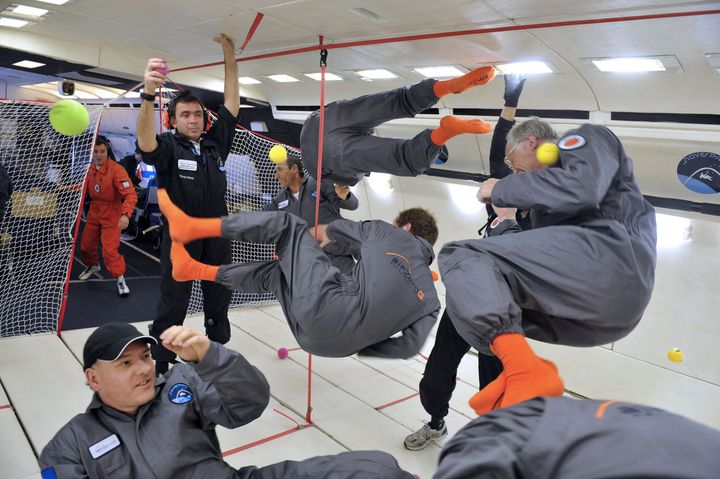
101, 448
187, 165
283, 204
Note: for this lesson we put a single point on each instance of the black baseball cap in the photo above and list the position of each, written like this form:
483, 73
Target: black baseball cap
110, 340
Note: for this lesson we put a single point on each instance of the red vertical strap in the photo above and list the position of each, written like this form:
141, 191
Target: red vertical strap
321, 135
63, 306
160, 111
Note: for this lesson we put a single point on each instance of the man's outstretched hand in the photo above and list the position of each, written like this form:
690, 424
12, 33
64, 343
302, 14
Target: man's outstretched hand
187, 343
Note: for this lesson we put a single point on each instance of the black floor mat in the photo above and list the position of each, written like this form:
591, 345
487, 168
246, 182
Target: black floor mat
95, 302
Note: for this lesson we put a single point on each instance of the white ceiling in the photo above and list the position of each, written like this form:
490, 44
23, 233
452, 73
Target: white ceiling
119, 36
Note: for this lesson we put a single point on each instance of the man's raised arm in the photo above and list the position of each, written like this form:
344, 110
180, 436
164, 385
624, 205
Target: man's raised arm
145, 129
232, 87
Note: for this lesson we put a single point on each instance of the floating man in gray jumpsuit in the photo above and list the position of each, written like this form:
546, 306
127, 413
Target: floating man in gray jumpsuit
330, 313
581, 277
563, 438
350, 149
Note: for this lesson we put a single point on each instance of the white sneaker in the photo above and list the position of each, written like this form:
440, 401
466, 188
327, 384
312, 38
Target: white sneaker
89, 271
123, 289
422, 437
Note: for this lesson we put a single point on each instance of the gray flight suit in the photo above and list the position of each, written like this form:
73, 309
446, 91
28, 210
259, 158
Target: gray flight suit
332, 314
564, 438
349, 149
173, 436
582, 276
330, 204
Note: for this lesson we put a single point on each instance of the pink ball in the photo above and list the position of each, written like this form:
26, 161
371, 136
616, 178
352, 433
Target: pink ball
282, 353
164, 70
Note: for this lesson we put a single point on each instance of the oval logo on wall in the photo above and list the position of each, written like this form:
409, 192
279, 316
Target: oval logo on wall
700, 172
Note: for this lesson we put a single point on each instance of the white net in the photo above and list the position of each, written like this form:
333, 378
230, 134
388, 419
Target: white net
251, 185
47, 171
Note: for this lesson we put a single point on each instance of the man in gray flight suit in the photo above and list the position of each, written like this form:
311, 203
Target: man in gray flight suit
563, 438
582, 276
298, 197
331, 314
351, 150
137, 426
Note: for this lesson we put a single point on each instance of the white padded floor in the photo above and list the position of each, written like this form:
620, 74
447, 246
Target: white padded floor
43, 387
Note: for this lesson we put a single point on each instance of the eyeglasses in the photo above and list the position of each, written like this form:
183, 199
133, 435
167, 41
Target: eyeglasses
507, 157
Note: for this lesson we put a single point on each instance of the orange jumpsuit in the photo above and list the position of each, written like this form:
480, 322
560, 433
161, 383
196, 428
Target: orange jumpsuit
112, 195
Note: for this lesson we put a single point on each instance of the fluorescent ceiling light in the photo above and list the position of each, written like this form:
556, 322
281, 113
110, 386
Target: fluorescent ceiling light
629, 65
283, 78
29, 11
55, 2
248, 81
439, 72
378, 74
524, 67
328, 76
28, 64
12, 22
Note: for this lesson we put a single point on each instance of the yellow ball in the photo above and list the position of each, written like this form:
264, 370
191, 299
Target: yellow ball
278, 154
675, 355
69, 117
548, 154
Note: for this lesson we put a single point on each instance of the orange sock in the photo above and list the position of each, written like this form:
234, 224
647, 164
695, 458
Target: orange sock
184, 228
526, 375
489, 397
185, 268
451, 126
480, 76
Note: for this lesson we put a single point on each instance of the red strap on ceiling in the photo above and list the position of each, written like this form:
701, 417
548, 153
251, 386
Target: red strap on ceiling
456, 33
251, 32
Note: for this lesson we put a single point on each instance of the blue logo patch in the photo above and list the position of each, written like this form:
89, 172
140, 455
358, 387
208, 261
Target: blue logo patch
314, 194
180, 393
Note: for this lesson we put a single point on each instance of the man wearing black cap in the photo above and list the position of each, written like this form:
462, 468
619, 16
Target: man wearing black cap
137, 426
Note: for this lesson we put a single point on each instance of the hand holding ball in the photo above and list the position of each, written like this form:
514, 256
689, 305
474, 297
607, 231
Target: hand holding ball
69, 117
164, 70
278, 154
548, 154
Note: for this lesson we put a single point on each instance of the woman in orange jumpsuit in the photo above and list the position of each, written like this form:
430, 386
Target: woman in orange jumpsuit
113, 202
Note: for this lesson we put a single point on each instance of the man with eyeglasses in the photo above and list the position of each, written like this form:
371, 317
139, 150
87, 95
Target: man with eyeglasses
582, 276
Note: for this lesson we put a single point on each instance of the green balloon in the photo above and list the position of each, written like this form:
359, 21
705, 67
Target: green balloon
69, 117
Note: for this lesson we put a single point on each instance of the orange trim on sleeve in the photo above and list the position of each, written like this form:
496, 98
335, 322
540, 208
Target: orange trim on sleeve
403, 258
601, 409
